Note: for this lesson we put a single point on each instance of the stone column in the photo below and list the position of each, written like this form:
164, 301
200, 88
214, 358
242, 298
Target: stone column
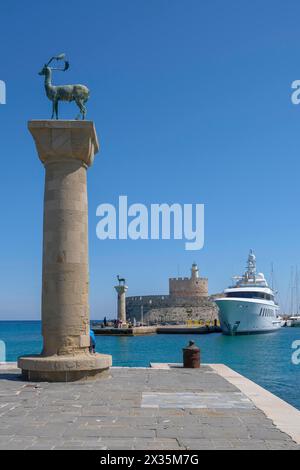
121, 290
67, 149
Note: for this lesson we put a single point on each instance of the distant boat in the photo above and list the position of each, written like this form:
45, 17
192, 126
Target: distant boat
294, 316
249, 306
294, 321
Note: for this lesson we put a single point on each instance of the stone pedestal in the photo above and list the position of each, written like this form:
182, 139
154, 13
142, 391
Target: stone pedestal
67, 149
121, 290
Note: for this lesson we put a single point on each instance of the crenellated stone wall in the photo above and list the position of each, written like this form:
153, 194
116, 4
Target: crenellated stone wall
164, 308
186, 287
187, 300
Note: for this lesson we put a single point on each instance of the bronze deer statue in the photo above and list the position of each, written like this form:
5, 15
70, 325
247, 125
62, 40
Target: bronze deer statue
78, 93
122, 281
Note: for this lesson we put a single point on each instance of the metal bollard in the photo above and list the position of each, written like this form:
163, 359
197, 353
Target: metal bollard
191, 356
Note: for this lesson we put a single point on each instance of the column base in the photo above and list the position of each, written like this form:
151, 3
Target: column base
64, 368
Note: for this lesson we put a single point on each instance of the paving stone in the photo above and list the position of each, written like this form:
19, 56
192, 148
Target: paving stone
197, 444
110, 414
279, 445
268, 434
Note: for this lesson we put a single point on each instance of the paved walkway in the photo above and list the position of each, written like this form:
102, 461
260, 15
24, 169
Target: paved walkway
173, 409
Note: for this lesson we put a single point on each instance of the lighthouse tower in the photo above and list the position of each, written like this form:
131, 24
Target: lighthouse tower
189, 287
194, 271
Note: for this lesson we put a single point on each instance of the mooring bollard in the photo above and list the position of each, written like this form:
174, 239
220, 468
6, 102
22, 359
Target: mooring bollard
191, 356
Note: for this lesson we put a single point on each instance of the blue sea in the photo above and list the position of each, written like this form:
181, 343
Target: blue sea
265, 359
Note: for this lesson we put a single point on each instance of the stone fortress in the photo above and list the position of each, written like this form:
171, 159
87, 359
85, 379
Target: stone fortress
188, 300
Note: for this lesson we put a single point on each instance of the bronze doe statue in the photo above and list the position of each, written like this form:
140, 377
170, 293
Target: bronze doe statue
122, 281
78, 93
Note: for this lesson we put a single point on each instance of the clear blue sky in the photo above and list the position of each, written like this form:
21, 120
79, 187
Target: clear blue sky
191, 101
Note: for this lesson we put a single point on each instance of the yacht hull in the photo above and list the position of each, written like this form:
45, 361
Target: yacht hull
240, 316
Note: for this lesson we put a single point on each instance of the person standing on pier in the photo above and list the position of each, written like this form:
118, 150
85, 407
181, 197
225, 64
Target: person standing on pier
92, 342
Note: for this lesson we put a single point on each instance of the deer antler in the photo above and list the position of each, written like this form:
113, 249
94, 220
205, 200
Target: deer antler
67, 65
59, 57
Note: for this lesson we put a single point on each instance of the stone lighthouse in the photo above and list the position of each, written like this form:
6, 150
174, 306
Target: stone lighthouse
121, 290
194, 271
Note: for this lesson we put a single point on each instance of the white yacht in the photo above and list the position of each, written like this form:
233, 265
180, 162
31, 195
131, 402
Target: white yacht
295, 321
248, 306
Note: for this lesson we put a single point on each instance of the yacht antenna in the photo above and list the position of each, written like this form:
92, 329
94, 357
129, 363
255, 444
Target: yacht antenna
296, 290
272, 276
251, 265
292, 291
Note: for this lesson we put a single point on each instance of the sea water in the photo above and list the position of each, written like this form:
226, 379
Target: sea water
266, 359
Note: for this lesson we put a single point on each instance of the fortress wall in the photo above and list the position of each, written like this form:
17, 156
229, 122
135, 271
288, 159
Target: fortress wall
187, 300
181, 314
185, 287
161, 308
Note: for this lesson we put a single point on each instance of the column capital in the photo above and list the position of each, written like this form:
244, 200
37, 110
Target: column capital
57, 140
121, 289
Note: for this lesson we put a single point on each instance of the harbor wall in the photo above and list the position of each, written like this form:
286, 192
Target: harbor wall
166, 308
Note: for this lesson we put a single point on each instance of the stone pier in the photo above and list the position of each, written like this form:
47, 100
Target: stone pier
162, 408
66, 149
121, 290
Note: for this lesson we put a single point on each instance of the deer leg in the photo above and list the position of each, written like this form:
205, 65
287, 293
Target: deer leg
81, 108
78, 104
56, 109
84, 109
53, 109
83, 112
